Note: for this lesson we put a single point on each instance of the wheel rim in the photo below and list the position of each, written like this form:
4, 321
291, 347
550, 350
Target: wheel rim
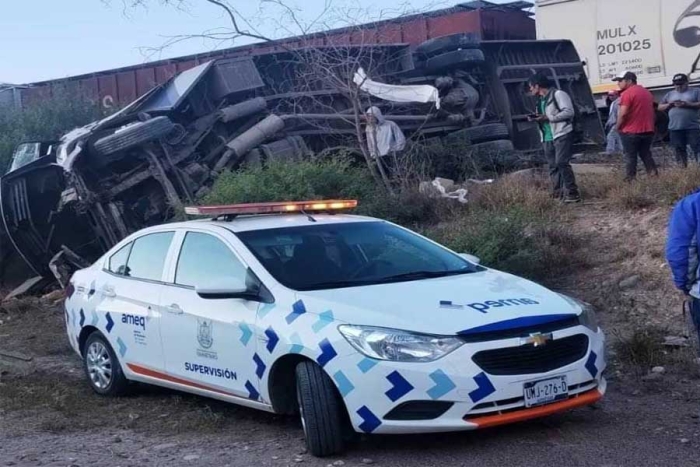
99, 365
301, 410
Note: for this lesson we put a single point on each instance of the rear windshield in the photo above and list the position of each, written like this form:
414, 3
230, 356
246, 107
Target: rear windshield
319, 257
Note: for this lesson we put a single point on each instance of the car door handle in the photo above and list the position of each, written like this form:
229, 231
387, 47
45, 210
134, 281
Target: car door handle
174, 309
108, 291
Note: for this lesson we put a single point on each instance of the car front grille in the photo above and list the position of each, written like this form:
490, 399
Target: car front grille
528, 359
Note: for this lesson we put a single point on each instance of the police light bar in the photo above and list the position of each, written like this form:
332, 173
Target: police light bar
270, 208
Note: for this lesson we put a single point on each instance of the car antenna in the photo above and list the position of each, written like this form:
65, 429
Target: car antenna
308, 216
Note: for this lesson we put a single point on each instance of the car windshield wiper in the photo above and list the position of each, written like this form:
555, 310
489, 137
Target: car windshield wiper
414, 275
424, 275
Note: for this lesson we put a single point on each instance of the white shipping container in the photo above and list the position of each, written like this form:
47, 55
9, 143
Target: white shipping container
653, 38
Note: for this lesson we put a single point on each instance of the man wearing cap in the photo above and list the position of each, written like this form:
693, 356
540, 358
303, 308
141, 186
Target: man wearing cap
636, 124
683, 104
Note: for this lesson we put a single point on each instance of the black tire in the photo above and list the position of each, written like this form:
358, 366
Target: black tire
118, 384
133, 135
438, 45
481, 133
320, 409
454, 58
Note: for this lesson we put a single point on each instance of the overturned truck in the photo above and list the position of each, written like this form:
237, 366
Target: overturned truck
66, 202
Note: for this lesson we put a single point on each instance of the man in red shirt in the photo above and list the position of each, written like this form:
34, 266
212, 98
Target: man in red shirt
636, 124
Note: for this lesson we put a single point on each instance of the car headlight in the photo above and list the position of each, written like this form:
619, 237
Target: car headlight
587, 317
398, 346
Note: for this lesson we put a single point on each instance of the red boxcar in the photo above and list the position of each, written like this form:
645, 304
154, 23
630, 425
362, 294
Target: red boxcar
511, 21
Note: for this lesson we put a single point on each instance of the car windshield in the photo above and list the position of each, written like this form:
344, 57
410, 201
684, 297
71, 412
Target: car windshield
317, 257
25, 154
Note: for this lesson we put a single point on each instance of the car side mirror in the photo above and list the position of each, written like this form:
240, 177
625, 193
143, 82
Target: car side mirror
231, 288
471, 258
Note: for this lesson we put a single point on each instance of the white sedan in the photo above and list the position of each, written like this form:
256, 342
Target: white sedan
354, 323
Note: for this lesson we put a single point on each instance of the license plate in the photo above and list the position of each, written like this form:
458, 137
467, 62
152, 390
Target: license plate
545, 391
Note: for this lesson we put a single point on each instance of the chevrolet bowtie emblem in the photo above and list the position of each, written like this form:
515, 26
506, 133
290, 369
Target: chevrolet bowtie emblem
537, 340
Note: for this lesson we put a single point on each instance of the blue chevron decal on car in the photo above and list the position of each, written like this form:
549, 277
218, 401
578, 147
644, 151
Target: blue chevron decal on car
370, 421
328, 353
366, 364
400, 386
297, 345
324, 319
590, 364
110, 322
252, 392
484, 388
259, 366
246, 333
272, 339
82, 317
122, 347
344, 385
265, 309
443, 384
298, 309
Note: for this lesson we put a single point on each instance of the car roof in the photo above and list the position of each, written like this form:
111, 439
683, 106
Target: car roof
268, 221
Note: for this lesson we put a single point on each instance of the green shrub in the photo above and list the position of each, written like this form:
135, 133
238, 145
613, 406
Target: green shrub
292, 181
44, 121
515, 239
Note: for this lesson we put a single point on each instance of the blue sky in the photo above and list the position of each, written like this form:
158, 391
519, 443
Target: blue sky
46, 39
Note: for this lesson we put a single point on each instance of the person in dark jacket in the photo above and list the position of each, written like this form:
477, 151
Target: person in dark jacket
682, 252
554, 117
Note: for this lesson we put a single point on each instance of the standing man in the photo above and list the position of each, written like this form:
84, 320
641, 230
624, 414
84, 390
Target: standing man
555, 116
614, 145
683, 104
682, 252
636, 124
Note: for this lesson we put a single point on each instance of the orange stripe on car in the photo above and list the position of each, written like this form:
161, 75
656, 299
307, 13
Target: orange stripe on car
143, 371
487, 421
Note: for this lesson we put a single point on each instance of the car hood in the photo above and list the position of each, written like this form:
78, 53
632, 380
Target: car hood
478, 302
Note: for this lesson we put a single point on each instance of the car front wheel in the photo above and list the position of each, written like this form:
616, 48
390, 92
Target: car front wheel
320, 409
102, 367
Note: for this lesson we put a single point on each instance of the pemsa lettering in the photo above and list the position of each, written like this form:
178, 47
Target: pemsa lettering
135, 320
223, 373
487, 305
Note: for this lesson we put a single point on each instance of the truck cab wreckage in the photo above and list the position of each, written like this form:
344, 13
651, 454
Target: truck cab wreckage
65, 203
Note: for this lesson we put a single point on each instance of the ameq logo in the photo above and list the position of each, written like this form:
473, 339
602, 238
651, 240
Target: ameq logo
487, 305
135, 320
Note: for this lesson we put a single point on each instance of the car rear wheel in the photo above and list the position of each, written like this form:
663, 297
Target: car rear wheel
320, 409
102, 367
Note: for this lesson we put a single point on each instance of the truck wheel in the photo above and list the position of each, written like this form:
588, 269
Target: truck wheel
435, 46
454, 58
480, 134
102, 367
320, 410
133, 135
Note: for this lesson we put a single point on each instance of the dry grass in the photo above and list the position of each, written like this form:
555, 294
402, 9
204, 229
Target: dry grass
642, 349
670, 186
529, 193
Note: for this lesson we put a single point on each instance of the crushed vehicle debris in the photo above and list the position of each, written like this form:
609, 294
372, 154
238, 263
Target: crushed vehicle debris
72, 200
